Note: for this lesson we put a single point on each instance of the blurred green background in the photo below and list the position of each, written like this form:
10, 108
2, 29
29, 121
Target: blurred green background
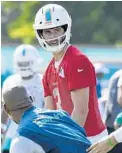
93, 22
96, 31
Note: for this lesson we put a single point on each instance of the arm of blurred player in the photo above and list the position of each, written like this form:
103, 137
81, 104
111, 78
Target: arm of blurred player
4, 123
106, 144
23, 145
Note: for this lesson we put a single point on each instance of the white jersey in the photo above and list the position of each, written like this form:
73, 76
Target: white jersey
23, 145
118, 134
35, 90
34, 87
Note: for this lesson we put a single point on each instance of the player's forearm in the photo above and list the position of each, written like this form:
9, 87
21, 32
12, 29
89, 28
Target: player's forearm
80, 99
113, 140
49, 103
79, 116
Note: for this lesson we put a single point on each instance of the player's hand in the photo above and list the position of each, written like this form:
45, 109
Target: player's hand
101, 147
3, 131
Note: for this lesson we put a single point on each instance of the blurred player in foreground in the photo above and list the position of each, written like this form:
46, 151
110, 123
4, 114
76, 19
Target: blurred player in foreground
42, 131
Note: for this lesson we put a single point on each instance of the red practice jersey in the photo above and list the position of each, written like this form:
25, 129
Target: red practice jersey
74, 72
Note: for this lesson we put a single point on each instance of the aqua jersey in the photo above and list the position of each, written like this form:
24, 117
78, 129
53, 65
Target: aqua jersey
4, 76
53, 129
99, 89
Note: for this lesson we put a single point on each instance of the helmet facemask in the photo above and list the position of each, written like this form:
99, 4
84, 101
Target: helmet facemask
61, 41
24, 69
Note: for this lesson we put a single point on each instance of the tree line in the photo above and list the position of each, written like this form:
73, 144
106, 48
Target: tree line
97, 22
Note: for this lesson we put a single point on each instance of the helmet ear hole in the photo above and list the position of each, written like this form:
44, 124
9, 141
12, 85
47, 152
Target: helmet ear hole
65, 27
44, 45
39, 33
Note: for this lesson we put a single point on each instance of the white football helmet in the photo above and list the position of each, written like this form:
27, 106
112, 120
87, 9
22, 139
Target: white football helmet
50, 16
26, 60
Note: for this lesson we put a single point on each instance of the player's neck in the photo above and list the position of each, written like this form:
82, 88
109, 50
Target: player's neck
20, 112
59, 55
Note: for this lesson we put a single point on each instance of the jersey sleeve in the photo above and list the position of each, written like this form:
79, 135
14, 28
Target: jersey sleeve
81, 73
19, 146
47, 91
24, 145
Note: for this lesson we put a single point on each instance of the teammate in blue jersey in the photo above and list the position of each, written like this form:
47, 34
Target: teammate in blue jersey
42, 131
